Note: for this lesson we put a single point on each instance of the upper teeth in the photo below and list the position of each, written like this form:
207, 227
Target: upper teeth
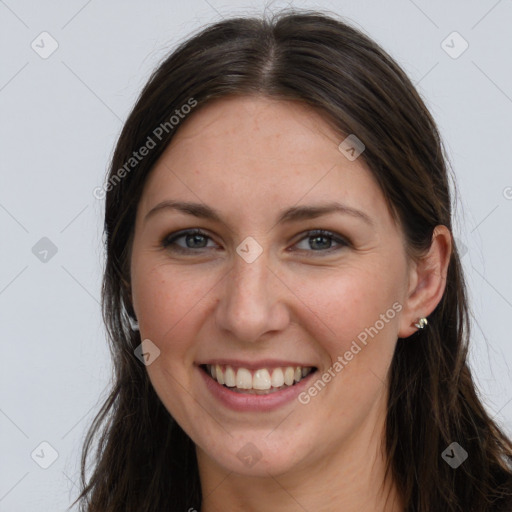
263, 378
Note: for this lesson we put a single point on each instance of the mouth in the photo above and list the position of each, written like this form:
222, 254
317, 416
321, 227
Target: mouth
261, 381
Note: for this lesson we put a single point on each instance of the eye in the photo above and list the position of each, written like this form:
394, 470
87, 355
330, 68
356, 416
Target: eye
321, 241
194, 239
318, 240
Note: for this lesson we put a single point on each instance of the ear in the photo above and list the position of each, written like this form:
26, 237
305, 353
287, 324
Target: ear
427, 281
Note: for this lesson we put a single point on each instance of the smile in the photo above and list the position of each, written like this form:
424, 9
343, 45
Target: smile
259, 381
259, 389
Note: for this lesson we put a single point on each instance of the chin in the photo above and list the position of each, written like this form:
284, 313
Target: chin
253, 455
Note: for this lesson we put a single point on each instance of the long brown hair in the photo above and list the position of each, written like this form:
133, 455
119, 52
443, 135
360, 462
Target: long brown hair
144, 461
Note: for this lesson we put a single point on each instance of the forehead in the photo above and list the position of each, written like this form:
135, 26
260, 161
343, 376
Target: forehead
256, 128
257, 153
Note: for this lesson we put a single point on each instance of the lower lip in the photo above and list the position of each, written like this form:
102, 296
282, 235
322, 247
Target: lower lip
247, 402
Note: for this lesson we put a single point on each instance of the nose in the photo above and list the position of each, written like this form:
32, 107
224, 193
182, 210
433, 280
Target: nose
252, 301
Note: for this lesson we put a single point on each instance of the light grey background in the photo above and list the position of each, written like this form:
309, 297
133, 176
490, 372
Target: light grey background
60, 117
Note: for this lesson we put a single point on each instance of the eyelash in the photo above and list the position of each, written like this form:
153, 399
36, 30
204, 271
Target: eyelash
170, 240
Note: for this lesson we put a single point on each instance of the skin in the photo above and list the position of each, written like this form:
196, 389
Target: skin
250, 158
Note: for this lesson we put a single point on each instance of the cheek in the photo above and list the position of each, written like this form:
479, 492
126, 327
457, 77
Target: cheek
164, 307
167, 302
348, 304
356, 315
359, 310
166, 298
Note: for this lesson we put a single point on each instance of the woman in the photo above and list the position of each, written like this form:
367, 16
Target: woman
282, 292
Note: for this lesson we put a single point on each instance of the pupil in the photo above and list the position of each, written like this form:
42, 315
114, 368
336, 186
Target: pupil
195, 238
320, 238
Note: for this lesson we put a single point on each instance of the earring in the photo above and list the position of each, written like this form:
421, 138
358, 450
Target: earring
421, 323
133, 323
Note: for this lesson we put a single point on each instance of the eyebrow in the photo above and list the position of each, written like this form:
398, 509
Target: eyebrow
293, 214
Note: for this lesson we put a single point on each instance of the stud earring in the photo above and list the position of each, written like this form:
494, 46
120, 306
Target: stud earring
421, 323
133, 323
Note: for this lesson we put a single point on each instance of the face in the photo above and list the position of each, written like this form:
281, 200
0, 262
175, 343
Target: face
254, 292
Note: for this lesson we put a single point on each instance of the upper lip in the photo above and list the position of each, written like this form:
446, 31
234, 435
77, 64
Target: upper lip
255, 365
